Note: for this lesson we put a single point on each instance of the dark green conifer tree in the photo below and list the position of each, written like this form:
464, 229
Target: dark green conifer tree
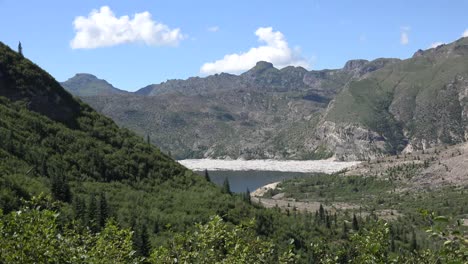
327, 221
79, 208
414, 242
103, 210
60, 188
93, 214
226, 186
355, 223
207, 176
247, 196
145, 247
321, 213
20, 49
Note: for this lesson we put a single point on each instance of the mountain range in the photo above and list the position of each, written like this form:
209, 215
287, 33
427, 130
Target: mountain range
365, 110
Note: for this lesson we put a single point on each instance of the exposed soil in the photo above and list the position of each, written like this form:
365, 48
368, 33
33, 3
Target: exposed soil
432, 168
442, 166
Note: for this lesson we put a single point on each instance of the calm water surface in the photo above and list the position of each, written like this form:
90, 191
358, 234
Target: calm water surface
241, 180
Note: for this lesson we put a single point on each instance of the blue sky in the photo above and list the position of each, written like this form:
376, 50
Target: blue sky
162, 40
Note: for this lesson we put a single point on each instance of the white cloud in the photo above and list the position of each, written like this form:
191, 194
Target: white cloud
103, 29
436, 44
465, 34
276, 51
404, 36
213, 29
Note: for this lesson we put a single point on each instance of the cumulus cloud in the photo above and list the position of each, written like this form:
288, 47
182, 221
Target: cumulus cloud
465, 34
213, 29
276, 50
436, 44
103, 29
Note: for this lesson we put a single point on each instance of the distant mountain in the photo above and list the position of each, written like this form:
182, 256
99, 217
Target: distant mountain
83, 84
415, 104
364, 110
262, 113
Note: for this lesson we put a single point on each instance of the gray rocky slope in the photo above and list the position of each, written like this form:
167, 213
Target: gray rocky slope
364, 110
262, 113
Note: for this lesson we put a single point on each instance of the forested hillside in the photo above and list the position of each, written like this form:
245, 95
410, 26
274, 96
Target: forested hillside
52, 144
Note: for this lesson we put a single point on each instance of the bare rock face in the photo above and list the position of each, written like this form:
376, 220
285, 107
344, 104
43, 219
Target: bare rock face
354, 65
418, 53
463, 98
350, 141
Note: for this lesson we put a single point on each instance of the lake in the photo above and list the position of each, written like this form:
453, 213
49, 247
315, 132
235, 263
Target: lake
241, 180
253, 174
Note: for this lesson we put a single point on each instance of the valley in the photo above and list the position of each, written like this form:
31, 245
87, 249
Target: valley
367, 163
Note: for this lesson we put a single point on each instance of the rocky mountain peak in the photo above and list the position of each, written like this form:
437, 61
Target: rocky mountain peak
418, 53
85, 84
84, 75
353, 65
260, 68
263, 65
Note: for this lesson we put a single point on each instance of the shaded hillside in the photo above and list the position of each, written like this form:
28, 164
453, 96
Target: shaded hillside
20, 79
263, 113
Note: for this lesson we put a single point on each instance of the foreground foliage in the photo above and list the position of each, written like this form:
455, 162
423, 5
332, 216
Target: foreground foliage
32, 235
218, 242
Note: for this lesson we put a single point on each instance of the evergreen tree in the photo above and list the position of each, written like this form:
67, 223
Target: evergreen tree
392, 239
20, 49
79, 208
327, 221
355, 223
207, 176
136, 238
247, 196
60, 188
226, 186
145, 248
103, 210
93, 213
414, 242
321, 213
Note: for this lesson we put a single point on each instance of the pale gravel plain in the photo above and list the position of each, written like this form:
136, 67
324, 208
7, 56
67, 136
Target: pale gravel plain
324, 166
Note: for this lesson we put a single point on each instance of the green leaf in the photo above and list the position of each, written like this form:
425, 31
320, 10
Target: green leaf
441, 219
